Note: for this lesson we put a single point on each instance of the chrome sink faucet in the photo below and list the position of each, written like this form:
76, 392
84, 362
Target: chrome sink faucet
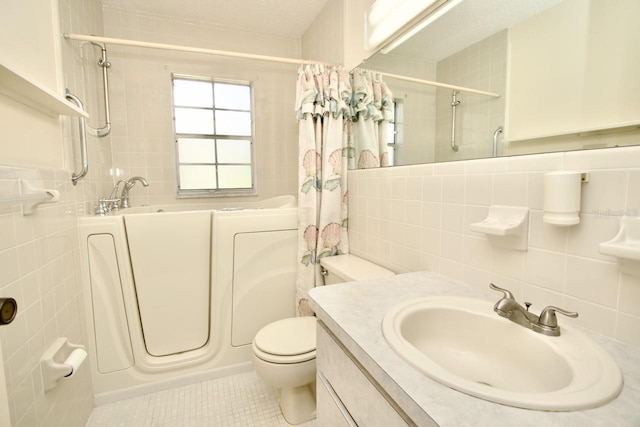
128, 185
546, 323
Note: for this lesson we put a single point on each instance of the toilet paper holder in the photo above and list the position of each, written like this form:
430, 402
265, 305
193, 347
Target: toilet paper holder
61, 360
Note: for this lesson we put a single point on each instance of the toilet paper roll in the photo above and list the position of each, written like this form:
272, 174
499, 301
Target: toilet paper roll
561, 200
75, 359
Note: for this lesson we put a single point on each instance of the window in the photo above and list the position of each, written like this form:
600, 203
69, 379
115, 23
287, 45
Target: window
214, 137
394, 130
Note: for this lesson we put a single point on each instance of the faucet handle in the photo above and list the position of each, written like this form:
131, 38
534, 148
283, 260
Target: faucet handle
506, 293
101, 207
548, 316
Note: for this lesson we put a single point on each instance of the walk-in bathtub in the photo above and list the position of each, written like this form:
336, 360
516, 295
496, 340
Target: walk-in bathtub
175, 294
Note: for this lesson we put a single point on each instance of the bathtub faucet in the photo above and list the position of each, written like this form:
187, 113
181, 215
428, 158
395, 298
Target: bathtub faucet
128, 185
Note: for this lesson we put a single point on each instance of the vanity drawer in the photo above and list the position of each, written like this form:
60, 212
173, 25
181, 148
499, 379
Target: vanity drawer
330, 410
361, 398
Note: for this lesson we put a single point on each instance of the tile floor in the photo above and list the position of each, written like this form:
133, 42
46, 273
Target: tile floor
237, 400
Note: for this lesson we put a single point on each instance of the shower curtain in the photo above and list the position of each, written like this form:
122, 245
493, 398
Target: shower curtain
322, 105
371, 112
339, 128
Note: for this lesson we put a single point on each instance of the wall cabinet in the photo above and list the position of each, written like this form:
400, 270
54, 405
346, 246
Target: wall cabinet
30, 60
577, 76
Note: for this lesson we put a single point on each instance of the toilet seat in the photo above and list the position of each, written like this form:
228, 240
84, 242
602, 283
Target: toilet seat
287, 341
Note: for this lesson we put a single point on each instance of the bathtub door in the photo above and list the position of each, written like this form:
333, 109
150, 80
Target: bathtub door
170, 258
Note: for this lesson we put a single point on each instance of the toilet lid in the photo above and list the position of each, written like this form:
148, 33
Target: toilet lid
287, 337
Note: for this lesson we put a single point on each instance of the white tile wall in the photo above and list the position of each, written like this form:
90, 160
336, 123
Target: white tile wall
562, 265
39, 267
143, 139
321, 44
481, 66
39, 264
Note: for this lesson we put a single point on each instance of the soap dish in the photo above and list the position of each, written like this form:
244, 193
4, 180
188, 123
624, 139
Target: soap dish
625, 246
506, 226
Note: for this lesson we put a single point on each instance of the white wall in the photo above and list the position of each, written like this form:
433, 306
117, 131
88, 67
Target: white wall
323, 40
142, 116
417, 218
337, 34
39, 264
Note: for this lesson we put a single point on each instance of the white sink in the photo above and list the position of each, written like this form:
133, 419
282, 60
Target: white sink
464, 344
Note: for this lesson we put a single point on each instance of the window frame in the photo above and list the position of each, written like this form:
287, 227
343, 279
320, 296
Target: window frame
214, 192
397, 126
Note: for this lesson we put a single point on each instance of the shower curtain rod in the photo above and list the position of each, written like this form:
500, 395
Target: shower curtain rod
438, 84
188, 49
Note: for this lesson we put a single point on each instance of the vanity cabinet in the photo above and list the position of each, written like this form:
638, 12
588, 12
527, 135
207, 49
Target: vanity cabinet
346, 394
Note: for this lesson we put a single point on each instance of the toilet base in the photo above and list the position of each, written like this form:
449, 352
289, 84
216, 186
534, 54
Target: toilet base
298, 404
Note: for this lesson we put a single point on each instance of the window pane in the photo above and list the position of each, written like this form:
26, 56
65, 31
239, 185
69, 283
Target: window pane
192, 93
197, 177
196, 150
232, 97
190, 120
391, 133
234, 151
233, 123
234, 176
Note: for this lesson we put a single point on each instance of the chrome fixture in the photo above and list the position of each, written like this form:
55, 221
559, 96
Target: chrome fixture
104, 64
495, 141
105, 206
128, 185
454, 103
546, 323
83, 140
114, 192
111, 203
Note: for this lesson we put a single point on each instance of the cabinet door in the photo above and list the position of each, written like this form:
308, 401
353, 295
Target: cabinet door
30, 41
361, 398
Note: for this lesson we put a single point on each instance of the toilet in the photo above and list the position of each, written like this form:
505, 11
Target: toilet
284, 352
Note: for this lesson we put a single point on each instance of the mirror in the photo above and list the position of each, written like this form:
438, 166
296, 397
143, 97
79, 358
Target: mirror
566, 72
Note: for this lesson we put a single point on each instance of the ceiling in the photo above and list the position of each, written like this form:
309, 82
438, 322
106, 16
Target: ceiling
282, 17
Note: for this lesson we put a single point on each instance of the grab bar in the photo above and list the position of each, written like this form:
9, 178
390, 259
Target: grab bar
454, 104
83, 140
495, 141
104, 64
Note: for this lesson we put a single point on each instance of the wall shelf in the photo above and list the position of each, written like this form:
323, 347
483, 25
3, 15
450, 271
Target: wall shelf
33, 95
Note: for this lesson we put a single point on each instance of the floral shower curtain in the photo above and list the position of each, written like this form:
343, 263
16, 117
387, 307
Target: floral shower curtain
371, 112
339, 127
322, 105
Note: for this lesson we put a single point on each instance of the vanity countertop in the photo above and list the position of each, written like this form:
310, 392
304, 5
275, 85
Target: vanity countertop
354, 313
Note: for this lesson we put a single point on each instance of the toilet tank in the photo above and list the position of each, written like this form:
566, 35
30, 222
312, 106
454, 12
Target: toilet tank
348, 268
